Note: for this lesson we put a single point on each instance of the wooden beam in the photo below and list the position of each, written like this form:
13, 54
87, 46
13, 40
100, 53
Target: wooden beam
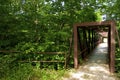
93, 24
112, 47
75, 47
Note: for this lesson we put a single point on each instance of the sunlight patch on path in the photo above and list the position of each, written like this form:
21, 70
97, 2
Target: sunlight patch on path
96, 67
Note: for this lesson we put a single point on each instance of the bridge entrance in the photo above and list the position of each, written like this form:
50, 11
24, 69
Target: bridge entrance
88, 35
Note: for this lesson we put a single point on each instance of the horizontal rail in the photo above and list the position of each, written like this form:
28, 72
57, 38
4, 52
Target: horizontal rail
88, 47
51, 52
5, 51
84, 50
42, 61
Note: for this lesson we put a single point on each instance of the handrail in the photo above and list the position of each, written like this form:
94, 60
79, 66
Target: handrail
42, 61
88, 48
6, 51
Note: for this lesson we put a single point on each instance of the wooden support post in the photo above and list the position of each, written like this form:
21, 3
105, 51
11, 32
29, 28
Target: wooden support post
112, 47
92, 40
86, 43
83, 40
89, 40
75, 47
41, 65
79, 40
65, 64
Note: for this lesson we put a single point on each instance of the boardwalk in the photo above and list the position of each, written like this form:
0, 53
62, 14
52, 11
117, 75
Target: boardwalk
96, 67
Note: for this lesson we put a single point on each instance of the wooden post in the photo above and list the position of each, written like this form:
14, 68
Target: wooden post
92, 40
112, 47
75, 47
86, 43
79, 40
89, 40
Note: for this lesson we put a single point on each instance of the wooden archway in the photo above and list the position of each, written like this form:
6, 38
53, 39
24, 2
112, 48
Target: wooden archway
111, 40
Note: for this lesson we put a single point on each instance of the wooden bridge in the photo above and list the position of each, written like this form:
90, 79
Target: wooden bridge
87, 36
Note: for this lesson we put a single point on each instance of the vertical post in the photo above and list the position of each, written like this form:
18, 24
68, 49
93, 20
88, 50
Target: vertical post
109, 44
89, 40
86, 42
112, 47
79, 40
75, 47
41, 65
65, 65
92, 39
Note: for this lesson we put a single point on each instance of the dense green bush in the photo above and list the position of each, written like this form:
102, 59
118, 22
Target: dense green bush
117, 61
12, 70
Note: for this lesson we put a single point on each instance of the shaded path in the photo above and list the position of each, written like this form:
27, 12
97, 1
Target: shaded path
96, 67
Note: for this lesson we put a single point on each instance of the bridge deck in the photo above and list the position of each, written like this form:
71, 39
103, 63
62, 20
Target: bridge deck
96, 67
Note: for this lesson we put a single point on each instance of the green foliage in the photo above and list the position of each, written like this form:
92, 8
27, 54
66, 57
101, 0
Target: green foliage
31, 26
26, 71
12, 70
118, 56
117, 61
46, 25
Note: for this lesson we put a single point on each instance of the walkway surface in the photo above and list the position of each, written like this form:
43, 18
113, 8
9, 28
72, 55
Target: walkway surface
96, 67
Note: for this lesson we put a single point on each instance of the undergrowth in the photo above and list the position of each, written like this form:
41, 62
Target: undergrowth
117, 60
11, 69
25, 71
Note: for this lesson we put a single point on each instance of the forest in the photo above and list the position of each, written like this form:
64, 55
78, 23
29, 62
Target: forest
28, 27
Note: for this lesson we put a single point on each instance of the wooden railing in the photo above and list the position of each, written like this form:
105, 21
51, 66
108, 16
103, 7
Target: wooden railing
85, 50
44, 53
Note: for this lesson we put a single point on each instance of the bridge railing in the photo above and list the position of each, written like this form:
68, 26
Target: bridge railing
64, 55
87, 40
